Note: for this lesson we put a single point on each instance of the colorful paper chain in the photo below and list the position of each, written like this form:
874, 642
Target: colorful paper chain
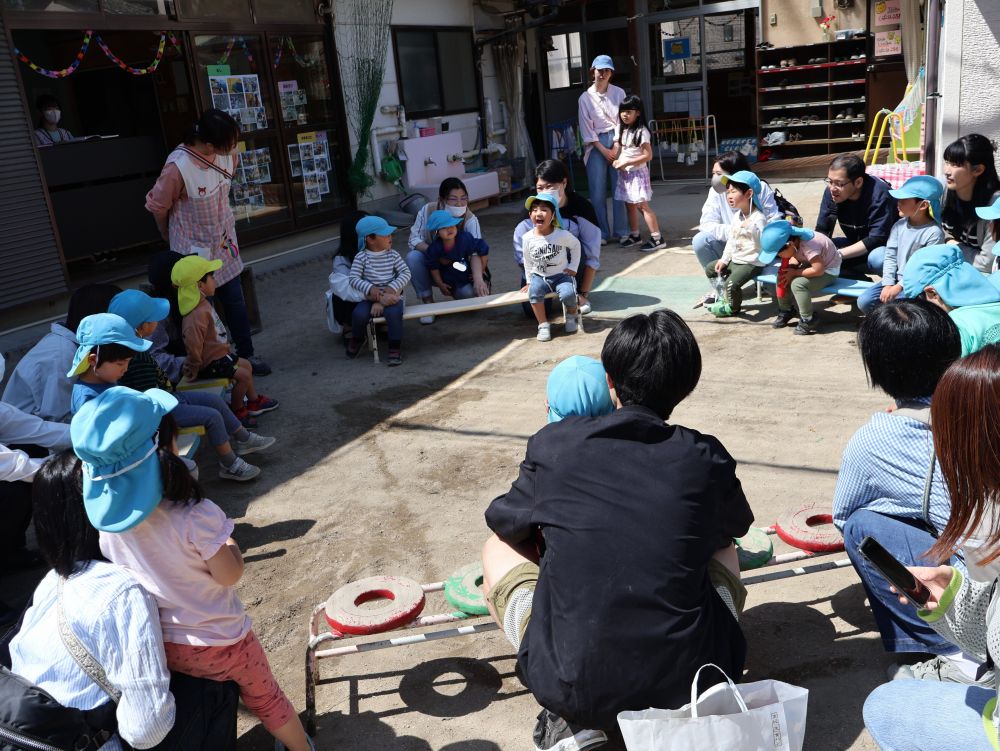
246, 50
287, 41
107, 51
125, 66
58, 73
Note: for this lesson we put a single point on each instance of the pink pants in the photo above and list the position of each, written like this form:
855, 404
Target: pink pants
243, 662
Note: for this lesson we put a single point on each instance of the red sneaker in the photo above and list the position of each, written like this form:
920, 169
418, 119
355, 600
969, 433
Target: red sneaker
261, 404
244, 416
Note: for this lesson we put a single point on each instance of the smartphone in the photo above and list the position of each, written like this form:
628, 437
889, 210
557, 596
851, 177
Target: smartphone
894, 571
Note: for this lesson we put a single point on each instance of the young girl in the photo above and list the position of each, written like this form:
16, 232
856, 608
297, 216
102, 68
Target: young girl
455, 259
155, 522
633, 152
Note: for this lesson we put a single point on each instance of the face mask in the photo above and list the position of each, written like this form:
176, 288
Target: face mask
717, 185
52, 116
979, 572
457, 211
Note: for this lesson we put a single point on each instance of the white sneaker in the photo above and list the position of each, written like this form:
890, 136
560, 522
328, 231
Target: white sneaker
241, 471
253, 443
585, 308
427, 320
571, 324
544, 332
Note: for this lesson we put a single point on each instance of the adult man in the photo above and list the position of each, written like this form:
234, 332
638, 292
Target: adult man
613, 568
865, 210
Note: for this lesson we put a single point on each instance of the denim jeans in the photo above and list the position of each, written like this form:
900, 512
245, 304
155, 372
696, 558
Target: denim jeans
420, 276
706, 248
563, 285
230, 295
927, 716
901, 629
209, 410
859, 266
393, 317
602, 179
872, 298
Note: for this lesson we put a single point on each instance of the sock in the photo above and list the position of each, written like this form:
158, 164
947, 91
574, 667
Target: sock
963, 662
242, 435
655, 237
228, 459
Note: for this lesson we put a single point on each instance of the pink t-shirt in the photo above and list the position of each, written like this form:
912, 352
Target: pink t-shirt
167, 554
823, 247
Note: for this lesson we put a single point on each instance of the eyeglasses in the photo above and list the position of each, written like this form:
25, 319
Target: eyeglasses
840, 184
452, 201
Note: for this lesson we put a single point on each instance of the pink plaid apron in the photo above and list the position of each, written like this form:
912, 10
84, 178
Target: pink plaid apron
203, 217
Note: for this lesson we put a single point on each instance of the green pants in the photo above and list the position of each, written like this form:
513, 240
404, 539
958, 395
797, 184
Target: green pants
802, 289
736, 275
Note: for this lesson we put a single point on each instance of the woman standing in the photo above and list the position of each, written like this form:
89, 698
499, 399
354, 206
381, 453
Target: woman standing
971, 180
190, 202
48, 132
598, 113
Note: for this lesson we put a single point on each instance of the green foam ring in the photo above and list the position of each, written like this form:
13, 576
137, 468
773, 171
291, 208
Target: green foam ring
464, 590
754, 549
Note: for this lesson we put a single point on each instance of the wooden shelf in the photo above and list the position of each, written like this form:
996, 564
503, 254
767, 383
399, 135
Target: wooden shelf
820, 85
814, 122
814, 44
814, 66
824, 103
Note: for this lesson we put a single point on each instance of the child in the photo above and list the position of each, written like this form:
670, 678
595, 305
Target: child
740, 260
455, 258
633, 153
814, 264
208, 354
196, 408
991, 216
381, 275
551, 257
918, 201
155, 522
107, 343
578, 387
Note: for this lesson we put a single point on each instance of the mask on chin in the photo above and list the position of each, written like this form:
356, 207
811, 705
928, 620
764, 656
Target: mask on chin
457, 211
717, 185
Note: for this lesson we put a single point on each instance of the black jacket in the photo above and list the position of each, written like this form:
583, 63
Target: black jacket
868, 218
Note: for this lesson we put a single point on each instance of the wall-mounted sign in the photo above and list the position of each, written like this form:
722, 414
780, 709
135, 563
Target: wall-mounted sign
677, 48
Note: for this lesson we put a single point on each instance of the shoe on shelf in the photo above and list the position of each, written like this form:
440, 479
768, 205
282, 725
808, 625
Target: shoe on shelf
653, 243
544, 332
246, 419
259, 366
807, 326
553, 733
241, 470
394, 358
782, 319
630, 241
938, 669
254, 442
261, 404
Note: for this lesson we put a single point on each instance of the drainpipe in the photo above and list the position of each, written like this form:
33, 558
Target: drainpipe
932, 96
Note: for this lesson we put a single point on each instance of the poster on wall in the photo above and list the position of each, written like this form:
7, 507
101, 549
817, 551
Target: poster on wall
293, 102
253, 171
678, 48
313, 162
888, 12
888, 43
240, 97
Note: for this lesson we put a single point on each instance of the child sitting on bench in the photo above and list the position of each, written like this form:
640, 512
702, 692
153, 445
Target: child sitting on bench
455, 258
551, 258
107, 343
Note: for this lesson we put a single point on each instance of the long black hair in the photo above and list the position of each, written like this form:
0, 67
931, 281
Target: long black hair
66, 538
732, 162
972, 149
633, 131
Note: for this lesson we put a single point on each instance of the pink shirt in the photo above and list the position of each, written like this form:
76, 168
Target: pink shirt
822, 247
598, 113
167, 554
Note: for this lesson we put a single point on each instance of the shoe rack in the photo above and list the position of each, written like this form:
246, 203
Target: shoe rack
815, 95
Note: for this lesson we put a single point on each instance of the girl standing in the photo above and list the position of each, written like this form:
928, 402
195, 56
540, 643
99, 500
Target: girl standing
633, 152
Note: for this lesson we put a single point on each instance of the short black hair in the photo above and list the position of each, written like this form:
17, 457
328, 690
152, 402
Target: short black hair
653, 361
551, 171
89, 300
46, 101
741, 187
906, 346
852, 164
214, 127
732, 162
448, 185
65, 535
112, 352
178, 484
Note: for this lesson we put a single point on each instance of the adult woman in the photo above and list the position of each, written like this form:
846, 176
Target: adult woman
949, 712
453, 198
598, 114
341, 297
971, 180
580, 219
190, 202
47, 131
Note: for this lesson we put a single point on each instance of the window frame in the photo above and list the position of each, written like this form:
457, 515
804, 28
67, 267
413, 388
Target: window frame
583, 64
435, 31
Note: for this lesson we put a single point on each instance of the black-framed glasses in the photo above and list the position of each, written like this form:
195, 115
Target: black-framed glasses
837, 183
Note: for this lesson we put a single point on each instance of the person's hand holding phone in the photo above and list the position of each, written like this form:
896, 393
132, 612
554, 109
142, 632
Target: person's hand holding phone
935, 578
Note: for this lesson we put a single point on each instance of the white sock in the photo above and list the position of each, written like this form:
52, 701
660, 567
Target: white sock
964, 662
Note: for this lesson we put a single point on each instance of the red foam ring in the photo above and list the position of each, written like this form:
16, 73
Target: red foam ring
373, 594
801, 533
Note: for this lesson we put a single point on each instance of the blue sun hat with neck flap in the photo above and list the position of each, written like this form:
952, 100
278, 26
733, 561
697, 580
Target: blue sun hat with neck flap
103, 328
944, 268
578, 386
550, 199
114, 435
137, 308
440, 219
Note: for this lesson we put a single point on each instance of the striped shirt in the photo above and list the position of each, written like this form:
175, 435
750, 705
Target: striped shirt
117, 621
383, 269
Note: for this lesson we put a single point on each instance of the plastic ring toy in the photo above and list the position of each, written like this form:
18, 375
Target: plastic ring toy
754, 549
464, 590
799, 527
401, 601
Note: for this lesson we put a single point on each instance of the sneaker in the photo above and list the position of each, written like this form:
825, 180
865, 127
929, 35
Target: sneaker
544, 332
604, 241
782, 319
585, 308
254, 443
553, 733
630, 241
938, 669
806, 326
260, 368
261, 404
650, 245
393, 358
243, 415
705, 301
353, 348
571, 324
427, 320
241, 471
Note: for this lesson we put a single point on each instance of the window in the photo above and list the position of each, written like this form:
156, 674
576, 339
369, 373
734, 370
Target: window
564, 61
435, 71
724, 41
675, 49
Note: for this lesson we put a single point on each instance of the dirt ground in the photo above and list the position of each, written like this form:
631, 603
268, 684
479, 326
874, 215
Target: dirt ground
388, 471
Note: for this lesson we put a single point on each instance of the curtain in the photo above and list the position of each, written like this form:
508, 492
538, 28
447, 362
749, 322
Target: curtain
509, 58
913, 38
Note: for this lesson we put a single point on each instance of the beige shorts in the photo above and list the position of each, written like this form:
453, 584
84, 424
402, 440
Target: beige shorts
726, 583
511, 600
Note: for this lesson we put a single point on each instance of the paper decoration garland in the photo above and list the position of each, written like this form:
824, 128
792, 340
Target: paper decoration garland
127, 68
58, 73
287, 41
246, 51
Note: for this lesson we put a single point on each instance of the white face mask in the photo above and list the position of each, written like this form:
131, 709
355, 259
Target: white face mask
457, 211
717, 185
979, 572
52, 116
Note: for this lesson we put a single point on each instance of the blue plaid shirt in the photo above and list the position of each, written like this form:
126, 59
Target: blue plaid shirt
884, 469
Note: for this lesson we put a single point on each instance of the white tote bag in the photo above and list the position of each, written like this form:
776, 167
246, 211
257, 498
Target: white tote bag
761, 716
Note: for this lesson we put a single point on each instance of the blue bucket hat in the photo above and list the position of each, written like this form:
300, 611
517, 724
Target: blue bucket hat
603, 62
114, 436
441, 219
776, 235
746, 178
923, 188
548, 198
372, 225
138, 308
944, 268
989, 212
103, 328
578, 386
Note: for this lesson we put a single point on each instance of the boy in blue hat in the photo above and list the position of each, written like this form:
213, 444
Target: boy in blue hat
941, 274
918, 201
107, 344
551, 258
454, 258
578, 387
991, 232
740, 260
381, 275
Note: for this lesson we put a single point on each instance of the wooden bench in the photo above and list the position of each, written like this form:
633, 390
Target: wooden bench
846, 287
487, 302
215, 385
